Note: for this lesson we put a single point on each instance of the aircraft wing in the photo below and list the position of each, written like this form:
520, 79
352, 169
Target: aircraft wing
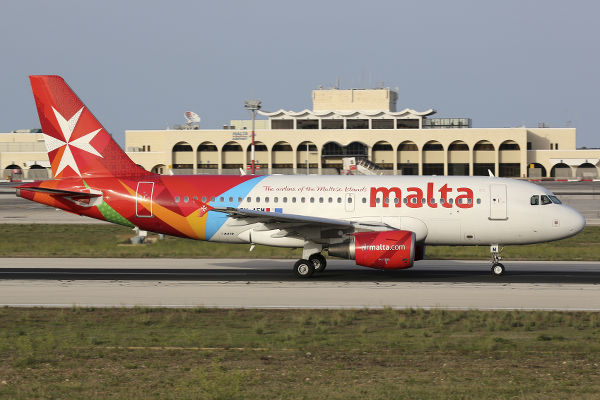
295, 219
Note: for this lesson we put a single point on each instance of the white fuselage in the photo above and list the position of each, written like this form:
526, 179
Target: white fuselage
498, 211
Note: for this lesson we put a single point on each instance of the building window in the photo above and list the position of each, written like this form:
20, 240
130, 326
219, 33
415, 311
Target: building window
382, 123
510, 146
182, 147
484, 146
529, 147
282, 124
407, 124
357, 124
307, 124
203, 147
232, 147
332, 124
433, 146
382, 146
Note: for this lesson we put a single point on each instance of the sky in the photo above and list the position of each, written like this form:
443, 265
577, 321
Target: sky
142, 64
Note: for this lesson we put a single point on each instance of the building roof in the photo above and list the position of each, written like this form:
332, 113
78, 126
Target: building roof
406, 113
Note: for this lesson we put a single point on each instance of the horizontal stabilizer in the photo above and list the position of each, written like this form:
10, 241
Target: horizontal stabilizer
59, 192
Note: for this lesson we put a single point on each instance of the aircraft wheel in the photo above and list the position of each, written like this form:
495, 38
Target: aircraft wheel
319, 262
497, 269
304, 269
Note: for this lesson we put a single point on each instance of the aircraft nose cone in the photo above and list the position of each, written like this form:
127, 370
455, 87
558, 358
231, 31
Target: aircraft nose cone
577, 222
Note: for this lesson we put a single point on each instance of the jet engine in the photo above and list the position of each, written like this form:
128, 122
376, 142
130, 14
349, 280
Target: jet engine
381, 250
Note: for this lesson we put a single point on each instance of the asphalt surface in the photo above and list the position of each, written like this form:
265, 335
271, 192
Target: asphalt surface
271, 284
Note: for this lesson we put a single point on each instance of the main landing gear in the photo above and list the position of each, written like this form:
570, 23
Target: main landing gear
305, 268
497, 266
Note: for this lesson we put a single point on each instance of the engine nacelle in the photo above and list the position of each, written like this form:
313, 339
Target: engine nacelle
382, 250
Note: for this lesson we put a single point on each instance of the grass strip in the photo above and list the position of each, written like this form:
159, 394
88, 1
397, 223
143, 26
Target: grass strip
67, 240
264, 354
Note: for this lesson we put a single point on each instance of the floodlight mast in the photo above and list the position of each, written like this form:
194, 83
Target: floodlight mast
252, 105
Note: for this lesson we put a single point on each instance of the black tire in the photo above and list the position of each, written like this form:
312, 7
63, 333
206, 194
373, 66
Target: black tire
304, 269
498, 269
319, 262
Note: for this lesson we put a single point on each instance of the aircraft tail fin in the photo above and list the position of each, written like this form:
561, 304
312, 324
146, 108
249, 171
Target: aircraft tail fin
77, 143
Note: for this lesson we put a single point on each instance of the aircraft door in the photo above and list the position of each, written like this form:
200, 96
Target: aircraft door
498, 202
349, 201
143, 199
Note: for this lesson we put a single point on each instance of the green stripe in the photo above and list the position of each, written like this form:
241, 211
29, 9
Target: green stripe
110, 214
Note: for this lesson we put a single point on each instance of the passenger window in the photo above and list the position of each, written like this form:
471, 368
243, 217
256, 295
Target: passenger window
249, 199
196, 198
535, 200
275, 199
432, 200
545, 200
555, 200
469, 201
396, 200
266, 199
364, 200
404, 200
293, 199
231, 199
377, 201
239, 199
350, 199
312, 199
441, 201
320, 199
204, 199
177, 198
285, 199
212, 199
478, 201
330, 200
222, 199
450, 201
387, 200
422, 200
339, 200
303, 200
186, 199
258, 199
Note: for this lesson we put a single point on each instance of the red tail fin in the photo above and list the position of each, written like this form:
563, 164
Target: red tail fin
77, 143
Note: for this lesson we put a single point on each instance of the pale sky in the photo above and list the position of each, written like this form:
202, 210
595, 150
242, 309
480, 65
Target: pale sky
142, 64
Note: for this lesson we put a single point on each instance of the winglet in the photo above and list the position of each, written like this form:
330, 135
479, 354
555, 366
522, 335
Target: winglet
491, 173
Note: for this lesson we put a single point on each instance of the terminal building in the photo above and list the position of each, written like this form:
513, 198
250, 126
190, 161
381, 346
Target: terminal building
363, 124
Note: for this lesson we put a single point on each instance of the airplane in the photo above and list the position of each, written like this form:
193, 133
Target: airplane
382, 222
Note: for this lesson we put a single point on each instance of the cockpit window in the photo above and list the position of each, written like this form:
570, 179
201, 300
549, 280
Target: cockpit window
535, 200
545, 200
555, 200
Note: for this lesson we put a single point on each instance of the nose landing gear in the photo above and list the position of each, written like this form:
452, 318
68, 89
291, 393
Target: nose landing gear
497, 266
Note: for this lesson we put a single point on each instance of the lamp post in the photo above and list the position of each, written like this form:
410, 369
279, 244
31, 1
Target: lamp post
252, 105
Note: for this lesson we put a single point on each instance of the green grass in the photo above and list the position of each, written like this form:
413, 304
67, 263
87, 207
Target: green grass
265, 354
38, 240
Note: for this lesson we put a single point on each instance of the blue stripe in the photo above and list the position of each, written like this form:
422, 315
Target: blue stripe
215, 220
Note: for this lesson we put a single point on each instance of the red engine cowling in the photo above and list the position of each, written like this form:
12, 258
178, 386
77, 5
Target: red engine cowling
382, 250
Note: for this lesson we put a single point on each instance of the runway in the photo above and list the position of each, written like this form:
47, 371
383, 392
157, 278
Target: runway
270, 284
